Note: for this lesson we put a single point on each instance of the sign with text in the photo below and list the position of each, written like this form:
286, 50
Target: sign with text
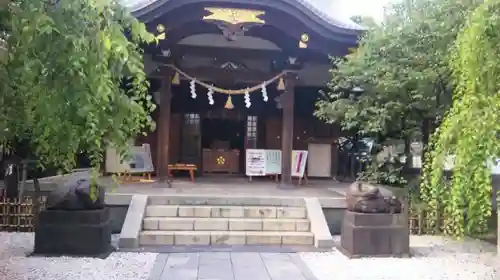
299, 159
255, 162
260, 162
273, 162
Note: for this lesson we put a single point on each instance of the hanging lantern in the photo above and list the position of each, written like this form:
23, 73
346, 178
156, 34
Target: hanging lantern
229, 103
176, 79
281, 84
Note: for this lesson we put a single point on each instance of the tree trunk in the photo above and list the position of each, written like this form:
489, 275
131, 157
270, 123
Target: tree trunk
408, 155
426, 134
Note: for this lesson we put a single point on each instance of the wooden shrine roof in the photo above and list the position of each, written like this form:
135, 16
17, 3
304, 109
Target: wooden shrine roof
315, 9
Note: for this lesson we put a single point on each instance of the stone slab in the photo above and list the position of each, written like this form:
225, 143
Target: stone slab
281, 267
162, 211
230, 200
124, 198
249, 266
319, 227
132, 226
215, 266
227, 238
194, 238
158, 266
181, 267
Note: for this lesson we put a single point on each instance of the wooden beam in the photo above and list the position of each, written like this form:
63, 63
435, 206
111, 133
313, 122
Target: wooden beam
165, 108
221, 53
288, 100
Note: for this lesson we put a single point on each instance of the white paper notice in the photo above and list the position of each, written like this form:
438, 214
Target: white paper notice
255, 162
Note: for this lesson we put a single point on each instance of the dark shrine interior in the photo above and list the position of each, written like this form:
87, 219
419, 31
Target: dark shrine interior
223, 134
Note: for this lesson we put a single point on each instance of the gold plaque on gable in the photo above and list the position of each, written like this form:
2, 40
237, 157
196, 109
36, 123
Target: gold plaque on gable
235, 16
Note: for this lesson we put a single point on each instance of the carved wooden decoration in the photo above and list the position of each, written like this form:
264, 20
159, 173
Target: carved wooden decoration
234, 16
234, 22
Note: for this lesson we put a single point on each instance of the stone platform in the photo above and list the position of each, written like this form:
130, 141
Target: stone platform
375, 235
73, 233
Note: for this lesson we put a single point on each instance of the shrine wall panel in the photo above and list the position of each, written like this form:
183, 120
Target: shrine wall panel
175, 138
273, 133
300, 134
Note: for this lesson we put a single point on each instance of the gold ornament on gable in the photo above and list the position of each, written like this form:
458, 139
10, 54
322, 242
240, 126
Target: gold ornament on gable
160, 28
235, 16
304, 39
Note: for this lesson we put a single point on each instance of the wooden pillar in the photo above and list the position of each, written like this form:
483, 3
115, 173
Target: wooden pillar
163, 124
287, 101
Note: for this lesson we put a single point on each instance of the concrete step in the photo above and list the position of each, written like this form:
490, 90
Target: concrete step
225, 211
158, 238
225, 224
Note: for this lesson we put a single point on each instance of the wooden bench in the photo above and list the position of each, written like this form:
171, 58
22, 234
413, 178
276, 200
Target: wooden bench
191, 168
144, 177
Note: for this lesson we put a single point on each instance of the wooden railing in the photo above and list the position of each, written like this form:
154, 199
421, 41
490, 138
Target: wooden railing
17, 214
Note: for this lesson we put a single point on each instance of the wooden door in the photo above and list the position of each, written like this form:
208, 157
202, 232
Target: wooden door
191, 139
319, 160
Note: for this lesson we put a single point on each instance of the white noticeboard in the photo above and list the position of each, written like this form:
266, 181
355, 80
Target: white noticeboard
261, 162
138, 160
255, 162
273, 162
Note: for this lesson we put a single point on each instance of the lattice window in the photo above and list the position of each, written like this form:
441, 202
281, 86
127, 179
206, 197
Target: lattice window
252, 127
192, 118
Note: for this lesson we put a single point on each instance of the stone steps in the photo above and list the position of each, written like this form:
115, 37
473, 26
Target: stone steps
163, 220
225, 224
223, 211
158, 238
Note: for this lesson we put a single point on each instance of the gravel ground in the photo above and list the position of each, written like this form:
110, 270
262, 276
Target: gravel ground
433, 258
14, 265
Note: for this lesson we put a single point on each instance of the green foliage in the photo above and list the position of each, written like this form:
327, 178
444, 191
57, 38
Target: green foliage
388, 172
402, 67
470, 130
74, 79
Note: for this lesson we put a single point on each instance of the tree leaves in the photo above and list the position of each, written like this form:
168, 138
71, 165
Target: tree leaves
402, 66
470, 129
65, 78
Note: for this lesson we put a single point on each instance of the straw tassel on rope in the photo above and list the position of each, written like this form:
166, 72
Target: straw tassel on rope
176, 79
281, 84
229, 103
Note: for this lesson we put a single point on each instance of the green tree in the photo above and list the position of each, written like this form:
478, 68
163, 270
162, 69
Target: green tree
74, 79
365, 21
401, 65
469, 131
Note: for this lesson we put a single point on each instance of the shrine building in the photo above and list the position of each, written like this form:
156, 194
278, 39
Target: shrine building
232, 76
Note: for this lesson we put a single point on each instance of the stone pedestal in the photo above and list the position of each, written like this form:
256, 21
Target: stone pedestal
74, 233
375, 235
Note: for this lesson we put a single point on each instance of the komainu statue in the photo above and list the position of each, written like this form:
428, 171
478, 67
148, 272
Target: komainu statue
75, 194
366, 198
